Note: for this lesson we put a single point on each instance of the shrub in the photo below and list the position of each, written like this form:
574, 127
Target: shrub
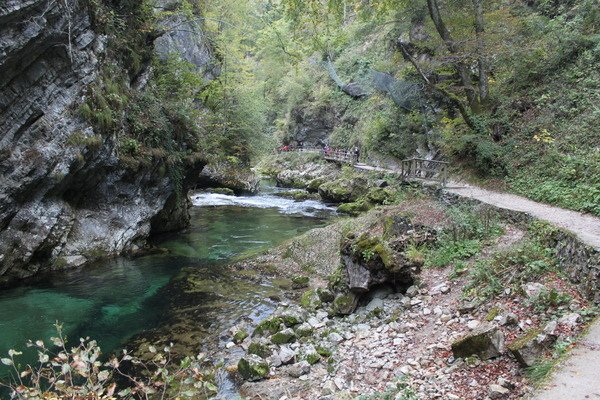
78, 372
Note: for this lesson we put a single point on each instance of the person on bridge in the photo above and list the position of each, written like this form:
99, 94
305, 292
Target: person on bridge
356, 153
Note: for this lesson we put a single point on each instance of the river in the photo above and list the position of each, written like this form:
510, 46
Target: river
113, 300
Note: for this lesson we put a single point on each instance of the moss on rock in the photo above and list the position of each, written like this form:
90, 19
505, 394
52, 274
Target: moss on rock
283, 337
310, 300
269, 325
355, 208
253, 368
240, 336
299, 282
379, 195
345, 304
259, 349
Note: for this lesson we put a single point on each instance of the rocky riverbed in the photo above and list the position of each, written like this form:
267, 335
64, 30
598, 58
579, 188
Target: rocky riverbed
427, 338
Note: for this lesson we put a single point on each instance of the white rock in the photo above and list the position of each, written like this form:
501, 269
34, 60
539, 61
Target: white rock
473, 324
570, 320
287, 355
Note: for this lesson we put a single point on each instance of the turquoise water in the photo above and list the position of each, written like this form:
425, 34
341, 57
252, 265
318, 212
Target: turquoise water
116, 299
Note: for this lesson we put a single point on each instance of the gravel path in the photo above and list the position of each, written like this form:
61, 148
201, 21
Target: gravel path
585, 226
578, 377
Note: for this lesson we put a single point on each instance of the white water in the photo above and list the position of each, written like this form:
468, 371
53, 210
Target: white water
309, 208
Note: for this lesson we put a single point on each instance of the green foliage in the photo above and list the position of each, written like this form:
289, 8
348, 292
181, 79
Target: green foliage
79, 138
521, 263
467, 229
551, 299
486, 156
130, 146
541, 369
448, 252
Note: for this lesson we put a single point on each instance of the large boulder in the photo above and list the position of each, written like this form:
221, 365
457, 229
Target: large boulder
343, 190
486, 341
369, 261
229, 175
529, 348
345, 303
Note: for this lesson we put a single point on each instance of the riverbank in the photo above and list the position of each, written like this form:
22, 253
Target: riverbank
481, 275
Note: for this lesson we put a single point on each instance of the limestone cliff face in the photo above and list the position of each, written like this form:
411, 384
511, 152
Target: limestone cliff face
62, 202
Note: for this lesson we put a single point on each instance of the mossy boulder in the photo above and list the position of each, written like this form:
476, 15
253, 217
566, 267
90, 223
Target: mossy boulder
345, 304
342, 190
269, 326
240, 336
285, 336
355, 208
299, 282
304, 330
528, 349
325, 295
310, 300
259, 348
292, 317
298, 195
486, 341
253, 368
378, 195
313, 186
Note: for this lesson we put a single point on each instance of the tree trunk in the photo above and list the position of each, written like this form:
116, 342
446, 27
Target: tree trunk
481, 62
464, 112
461, 68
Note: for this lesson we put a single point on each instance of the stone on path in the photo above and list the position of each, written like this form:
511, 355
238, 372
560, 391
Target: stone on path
485, 341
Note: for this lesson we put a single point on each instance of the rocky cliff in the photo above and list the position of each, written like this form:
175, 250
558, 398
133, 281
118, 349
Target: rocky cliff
65, 195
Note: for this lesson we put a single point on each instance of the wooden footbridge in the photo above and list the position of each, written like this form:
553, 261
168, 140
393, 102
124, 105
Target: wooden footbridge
411, 169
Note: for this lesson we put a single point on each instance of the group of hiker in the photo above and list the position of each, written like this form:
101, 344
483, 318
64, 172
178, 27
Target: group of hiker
327, 150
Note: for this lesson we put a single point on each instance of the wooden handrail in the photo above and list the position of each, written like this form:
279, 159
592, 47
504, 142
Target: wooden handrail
412, 168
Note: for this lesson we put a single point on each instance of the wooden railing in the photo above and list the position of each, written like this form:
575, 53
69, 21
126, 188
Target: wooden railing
338, 155
412, 168
420, 168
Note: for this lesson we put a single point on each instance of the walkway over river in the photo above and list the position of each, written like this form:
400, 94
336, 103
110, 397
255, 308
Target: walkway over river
412, 168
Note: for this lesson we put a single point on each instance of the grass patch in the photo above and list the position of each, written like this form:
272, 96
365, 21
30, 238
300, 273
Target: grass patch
523, 262
451, 251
